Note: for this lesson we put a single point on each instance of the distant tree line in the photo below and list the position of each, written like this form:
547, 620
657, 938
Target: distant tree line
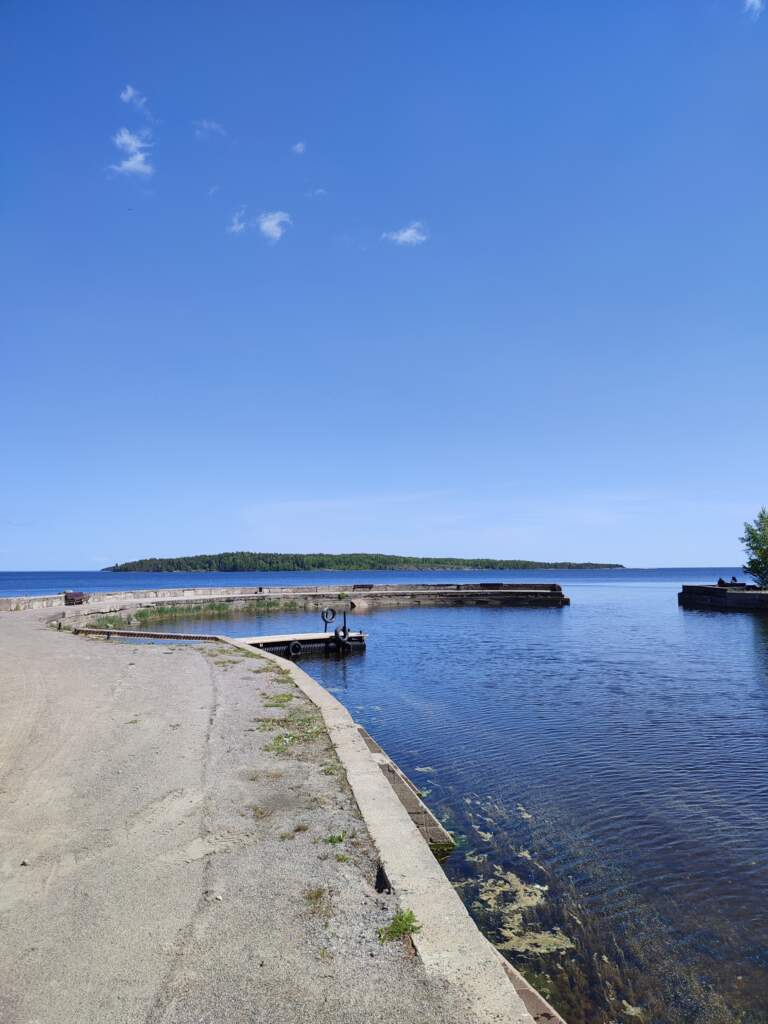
258, 561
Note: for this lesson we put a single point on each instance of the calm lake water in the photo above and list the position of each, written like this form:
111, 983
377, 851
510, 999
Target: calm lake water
604, 766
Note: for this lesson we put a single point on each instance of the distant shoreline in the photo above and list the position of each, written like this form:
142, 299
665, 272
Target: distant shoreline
251, 561
539, 567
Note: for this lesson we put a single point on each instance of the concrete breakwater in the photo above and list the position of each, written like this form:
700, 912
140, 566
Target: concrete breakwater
359, 597
726, 599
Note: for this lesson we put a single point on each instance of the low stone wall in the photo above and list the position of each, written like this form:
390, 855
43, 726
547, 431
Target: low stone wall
148, 596
15, 604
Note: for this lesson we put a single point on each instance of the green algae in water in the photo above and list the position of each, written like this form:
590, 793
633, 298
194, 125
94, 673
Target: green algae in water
508, 897
594, 968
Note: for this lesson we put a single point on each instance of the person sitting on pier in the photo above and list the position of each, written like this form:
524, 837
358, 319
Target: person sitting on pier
734, 583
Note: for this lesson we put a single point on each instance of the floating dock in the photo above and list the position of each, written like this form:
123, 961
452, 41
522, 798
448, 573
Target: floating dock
724, 599
296, 644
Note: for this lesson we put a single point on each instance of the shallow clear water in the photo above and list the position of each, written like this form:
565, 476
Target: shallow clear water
605, 768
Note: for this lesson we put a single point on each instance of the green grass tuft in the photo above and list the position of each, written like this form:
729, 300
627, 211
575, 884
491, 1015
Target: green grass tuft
278, 700
403, 923
335, 840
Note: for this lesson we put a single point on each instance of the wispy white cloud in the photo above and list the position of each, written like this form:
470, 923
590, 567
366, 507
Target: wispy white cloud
754, 7
133, 97
273, 225
135, 146
315, 193
238, 224
131, 142
414, 234
213, 190
205, 129
298, 148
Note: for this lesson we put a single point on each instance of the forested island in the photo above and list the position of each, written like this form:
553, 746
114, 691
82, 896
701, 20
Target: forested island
259, 561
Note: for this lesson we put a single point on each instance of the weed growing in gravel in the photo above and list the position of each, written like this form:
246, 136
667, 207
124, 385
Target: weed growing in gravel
335, 840
258, 813
342, 858
403, 923
268, 724
278, 700
108, 622
294, 832
279, 745
299, 728
319, 902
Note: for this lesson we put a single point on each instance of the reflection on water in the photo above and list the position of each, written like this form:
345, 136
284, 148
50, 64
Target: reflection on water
604, 768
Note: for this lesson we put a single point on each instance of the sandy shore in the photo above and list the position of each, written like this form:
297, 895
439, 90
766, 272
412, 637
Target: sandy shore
162, 861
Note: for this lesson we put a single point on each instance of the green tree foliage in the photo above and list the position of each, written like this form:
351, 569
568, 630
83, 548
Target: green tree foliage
755, 541
254, 561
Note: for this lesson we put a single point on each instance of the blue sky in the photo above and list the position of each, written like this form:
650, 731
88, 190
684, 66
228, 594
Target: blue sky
425, 278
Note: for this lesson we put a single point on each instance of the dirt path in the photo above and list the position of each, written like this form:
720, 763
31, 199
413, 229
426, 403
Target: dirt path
176, 840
